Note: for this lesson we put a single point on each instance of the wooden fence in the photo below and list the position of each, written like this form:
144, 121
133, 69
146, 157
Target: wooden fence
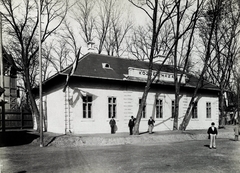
17, 120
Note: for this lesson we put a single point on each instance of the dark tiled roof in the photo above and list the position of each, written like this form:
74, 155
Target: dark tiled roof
91, 65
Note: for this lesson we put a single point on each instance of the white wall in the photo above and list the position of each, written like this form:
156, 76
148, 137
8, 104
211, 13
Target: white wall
55, 111
127, 106
202, 122
99, 123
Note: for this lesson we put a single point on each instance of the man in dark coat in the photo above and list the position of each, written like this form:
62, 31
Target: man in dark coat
131, 124
212, 132
112, 123
150, 125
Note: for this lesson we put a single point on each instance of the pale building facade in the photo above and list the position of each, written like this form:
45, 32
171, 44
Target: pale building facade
104, 86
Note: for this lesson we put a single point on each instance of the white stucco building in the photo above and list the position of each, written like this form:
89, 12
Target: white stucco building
104, 86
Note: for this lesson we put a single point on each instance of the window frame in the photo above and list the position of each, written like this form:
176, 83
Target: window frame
87, 106
159, 108
195, 110
208, 110
112, 107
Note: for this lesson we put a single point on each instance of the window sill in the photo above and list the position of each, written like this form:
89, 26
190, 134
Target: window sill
87, 120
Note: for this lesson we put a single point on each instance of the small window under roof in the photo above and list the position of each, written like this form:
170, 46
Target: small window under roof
106, 65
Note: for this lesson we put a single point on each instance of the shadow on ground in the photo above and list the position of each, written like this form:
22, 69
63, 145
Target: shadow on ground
17, 137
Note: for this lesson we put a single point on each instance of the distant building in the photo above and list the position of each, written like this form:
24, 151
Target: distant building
10, 82
105, 86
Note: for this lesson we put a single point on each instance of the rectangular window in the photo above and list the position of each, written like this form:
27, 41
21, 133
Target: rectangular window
112, 107
144, 109
208, 109
173, 108
159, 108
194, 111
87, 106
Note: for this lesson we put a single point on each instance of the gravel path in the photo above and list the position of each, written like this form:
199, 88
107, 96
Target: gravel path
59, 140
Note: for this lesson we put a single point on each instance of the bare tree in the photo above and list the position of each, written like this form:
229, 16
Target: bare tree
225, 45
21, 19
119, 27
60, 55
47, 61
139, 44
226, 50
102, 23
236, 87
162, 11
185, 32
71, 40
168, 27
85, 17
207, 54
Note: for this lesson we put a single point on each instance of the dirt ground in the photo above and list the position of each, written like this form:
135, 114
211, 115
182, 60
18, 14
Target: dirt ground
51, 139
167, 152
191, 156
21, 137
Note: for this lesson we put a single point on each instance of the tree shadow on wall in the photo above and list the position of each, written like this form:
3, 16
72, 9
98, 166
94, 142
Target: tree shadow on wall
16, 137
77, 95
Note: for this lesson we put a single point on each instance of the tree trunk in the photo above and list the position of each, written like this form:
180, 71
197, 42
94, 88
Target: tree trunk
221, 116
187, 116
175, 123
139, 114
176, 111
33, 105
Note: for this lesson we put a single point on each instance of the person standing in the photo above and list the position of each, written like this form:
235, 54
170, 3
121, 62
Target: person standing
228, 119
236, 117
212, 132
112, 123
236, 131
131, 124
150, 125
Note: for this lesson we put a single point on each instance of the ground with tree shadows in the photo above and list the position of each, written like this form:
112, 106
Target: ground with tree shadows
17, 137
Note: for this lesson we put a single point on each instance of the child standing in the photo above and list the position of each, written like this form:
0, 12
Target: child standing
212, 132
